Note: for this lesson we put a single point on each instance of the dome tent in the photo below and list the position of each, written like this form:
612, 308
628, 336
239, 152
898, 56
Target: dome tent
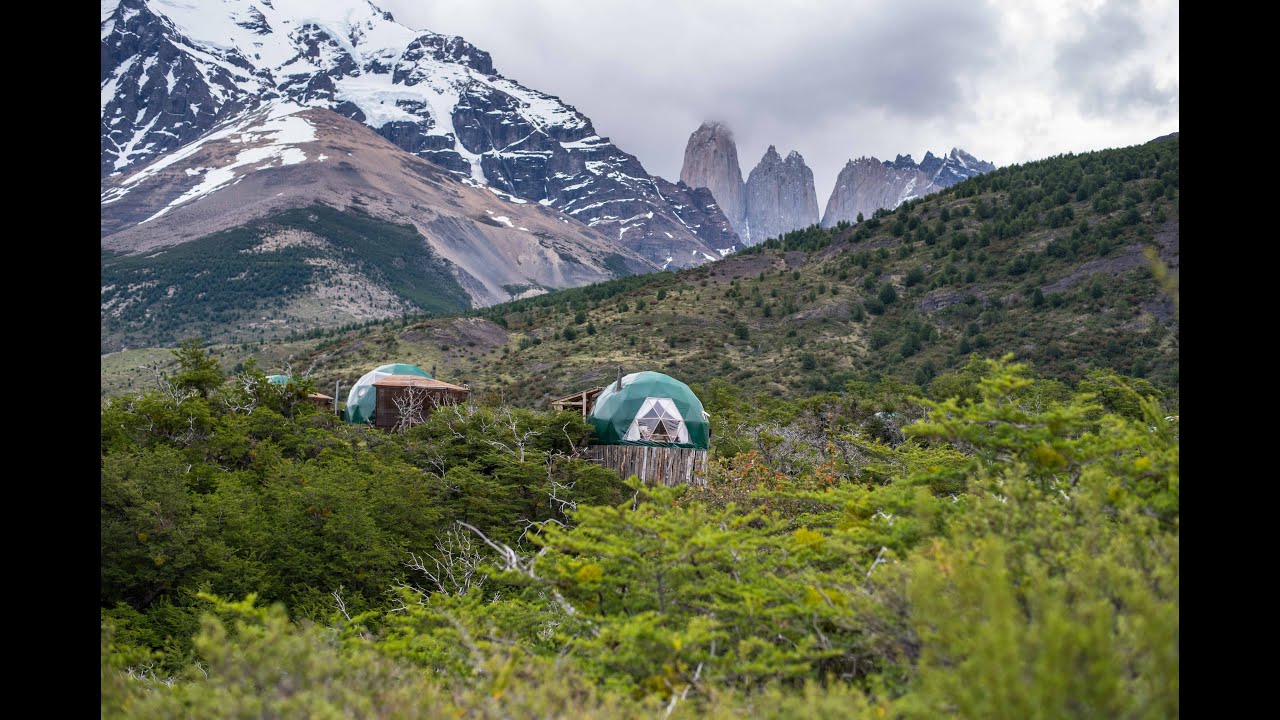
650, 409
320, 400
362, 400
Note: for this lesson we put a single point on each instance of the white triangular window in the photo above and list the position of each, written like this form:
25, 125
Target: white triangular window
658, 420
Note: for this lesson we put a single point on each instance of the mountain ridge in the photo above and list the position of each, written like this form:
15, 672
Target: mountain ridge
1045, 259
284, 158
782, 197
173, 71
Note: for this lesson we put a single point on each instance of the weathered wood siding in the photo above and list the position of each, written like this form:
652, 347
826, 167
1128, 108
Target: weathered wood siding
325, 405
653, 465
386, 416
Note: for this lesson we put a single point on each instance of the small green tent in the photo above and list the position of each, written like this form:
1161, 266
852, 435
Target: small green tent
362, 400
650, 409
279, 379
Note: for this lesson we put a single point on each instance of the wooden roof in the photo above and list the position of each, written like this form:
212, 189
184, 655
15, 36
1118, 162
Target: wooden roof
419, 382
320, 396
578, 396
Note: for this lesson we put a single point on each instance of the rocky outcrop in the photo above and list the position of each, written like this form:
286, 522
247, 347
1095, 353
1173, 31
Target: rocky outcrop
175, 72
780, 196
867, 184
303, 157
318, 221
952, 168
711, 161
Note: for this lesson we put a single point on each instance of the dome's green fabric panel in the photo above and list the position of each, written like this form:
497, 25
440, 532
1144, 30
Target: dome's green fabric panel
362, 400
401, 369
278, 379
615, 410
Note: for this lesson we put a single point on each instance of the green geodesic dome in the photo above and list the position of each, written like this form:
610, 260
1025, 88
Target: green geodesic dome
279, 379
650, 409
363, 397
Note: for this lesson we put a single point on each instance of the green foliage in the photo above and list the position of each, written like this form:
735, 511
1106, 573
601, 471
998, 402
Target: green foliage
1004, 546
218, 282
1018, 557
1053, 591
1117, 394
197, 370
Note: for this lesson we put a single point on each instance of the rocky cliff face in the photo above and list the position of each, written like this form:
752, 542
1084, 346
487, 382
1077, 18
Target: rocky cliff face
175, 71
867, 184
950, 169
317, 221
711, 161
780, 196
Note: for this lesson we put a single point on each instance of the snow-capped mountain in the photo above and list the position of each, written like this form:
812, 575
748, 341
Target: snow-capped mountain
175, 70
779, 194
291, 219
950, 169
867, 184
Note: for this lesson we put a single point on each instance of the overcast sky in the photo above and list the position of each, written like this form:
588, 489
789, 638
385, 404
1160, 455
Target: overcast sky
1007, 80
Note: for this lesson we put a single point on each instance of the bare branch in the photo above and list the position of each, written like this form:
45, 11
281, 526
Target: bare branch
507, 422
455, 568
879, 559
340, 603
412, 406
515, 563
165, 386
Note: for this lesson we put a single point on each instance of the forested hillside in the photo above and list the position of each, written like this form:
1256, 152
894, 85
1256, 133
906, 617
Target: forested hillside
246, 282
1070, 263
1055, 261
1010, 548
944, 482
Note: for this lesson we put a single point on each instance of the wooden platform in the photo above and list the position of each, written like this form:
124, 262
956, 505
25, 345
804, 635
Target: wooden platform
654, 465
580, 401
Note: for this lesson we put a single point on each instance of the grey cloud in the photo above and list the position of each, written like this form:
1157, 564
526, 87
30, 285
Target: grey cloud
832, 79
1094, 65
904, 58
1139, 89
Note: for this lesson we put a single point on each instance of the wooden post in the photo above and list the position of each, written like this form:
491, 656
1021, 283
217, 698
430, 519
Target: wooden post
652, 464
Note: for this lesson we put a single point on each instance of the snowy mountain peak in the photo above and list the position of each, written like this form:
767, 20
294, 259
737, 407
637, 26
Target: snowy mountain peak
175, 70
866, 184
902, 162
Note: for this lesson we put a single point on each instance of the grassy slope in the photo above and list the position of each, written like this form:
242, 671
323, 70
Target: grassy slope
215, 287
1044, 260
